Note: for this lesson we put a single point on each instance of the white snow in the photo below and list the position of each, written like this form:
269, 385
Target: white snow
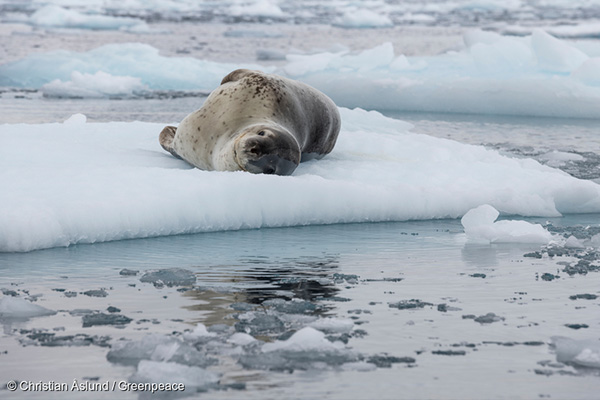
190, 376
15, 307
95, 85
53, 16
79, 182
537, 75
480, 225
305, 339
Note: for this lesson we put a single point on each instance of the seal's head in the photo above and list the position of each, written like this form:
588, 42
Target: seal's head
264, 149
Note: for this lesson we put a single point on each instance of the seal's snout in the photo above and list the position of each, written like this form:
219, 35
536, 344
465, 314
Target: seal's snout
272, 164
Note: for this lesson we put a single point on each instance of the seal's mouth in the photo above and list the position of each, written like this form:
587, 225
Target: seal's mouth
271, 164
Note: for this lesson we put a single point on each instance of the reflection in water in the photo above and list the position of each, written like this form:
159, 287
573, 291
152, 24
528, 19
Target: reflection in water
262, 279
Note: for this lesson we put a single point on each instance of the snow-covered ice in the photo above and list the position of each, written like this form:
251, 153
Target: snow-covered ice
79, 182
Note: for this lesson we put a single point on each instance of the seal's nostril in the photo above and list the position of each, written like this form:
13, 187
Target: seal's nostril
255, 150
269, 170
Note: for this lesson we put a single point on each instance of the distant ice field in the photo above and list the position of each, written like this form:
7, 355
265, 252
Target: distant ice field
535, 75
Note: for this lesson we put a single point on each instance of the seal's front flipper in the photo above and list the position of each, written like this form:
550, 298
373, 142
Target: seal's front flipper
166, 139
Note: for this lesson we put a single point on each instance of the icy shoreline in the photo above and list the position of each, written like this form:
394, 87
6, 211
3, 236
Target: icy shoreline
81, 182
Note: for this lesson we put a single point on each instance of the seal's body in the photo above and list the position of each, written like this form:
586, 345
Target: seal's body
256, 122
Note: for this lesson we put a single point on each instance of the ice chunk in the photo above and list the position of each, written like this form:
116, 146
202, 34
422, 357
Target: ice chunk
18, 308
190, 376
479, 225
305, 339
307, 349
241, 339
100, 84
58, 17
261, 324
170, 277
584, 353
199, 332
157, 348
363, 18
332, 325
294, 306
104, 319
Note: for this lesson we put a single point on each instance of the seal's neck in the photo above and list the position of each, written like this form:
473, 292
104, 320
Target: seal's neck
225, 158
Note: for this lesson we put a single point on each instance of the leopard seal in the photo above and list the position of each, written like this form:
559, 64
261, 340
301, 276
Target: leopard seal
256, 122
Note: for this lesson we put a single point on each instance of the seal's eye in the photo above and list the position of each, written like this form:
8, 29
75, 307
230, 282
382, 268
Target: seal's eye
261, 133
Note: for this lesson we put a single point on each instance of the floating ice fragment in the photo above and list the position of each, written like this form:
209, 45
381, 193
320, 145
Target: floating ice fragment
190, 376
170, 277
18, 308
479, 225
96, 293
584, 353
261, 324
104, 319
294, 306
241, 339
332, 325
199, 332
305, 339
488, 318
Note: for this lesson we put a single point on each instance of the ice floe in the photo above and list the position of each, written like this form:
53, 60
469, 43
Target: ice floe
80, 182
